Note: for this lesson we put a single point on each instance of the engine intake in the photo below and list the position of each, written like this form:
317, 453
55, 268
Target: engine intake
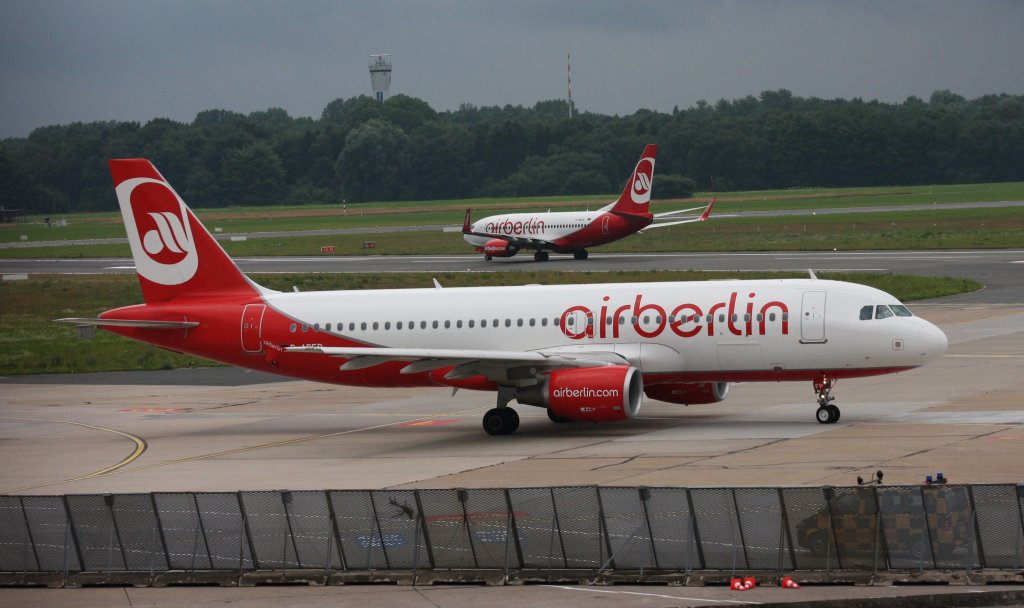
689, 393
597, 394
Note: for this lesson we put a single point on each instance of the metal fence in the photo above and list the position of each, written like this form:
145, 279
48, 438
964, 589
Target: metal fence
594, 529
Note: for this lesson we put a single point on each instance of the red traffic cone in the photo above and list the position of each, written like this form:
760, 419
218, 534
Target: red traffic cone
788, 583
749, 583
736, 585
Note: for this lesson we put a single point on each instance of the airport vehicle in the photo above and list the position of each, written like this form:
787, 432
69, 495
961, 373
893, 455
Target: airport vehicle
583, 352
573, 232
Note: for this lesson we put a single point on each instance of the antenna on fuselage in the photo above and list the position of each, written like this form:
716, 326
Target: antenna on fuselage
814, 277
437, 285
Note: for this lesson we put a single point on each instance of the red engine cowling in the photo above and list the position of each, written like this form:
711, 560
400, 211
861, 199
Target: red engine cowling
500, 248
689, 393
597, 394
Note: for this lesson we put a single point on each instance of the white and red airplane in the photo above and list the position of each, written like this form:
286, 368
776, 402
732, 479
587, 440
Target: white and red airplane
503, 236
583, 352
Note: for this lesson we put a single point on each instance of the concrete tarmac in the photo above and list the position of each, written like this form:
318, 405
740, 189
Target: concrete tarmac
228, 429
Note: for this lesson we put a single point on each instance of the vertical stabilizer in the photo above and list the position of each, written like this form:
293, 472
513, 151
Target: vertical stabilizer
175, 256
636, 197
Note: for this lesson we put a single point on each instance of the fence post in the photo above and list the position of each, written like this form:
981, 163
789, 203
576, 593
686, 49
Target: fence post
829, 495
67, 537
652, 550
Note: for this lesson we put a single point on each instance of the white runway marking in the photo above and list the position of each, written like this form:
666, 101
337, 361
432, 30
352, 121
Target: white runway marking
669, 597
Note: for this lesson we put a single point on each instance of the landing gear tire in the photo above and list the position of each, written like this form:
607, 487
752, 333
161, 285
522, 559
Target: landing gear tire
488, 258
501, 421
827, 414
540, 256
557, 419
582, 254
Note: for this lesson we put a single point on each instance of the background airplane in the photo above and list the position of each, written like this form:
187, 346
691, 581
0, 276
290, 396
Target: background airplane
582, 352
572, 232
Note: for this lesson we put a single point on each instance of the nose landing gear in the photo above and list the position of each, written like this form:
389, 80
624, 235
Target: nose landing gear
828, 412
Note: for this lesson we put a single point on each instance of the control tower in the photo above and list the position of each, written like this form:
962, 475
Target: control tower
380, 75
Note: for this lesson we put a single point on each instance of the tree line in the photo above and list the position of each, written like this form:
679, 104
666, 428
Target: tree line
402, 149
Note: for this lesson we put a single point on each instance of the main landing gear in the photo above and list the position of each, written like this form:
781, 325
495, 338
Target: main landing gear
828, 412
540, 256
580, 254
502, 420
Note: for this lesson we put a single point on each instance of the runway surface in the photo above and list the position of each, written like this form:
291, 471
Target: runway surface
1000, 270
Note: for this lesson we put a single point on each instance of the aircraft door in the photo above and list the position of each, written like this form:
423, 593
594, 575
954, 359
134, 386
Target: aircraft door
604, 225
252, 328
812, 317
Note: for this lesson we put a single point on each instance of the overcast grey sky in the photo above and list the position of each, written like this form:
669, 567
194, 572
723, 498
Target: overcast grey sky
83, 60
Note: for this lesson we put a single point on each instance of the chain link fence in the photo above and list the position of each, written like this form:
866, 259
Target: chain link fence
592, 529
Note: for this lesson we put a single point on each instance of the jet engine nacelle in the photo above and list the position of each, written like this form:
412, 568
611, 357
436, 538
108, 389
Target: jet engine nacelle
689, 393
597, 394
500, 248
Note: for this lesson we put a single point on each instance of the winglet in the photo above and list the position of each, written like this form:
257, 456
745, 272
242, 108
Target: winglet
707, 212
467, 225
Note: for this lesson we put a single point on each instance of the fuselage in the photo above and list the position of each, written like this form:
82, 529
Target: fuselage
715, 331
566, 230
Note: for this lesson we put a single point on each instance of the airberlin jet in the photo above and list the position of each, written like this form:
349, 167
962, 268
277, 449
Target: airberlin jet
582, 352
503, 236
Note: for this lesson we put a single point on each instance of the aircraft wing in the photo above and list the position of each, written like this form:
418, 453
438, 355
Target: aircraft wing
466, 362
658, 223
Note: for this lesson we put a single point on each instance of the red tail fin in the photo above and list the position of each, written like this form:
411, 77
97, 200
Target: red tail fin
636, 197
174, 254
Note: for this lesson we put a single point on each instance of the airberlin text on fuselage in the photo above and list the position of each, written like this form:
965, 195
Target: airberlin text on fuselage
685, 320
528, 226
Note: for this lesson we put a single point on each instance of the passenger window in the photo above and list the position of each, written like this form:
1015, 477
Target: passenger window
483, 322
293, 328
363, 325
327, 327
882, 312
316, 327
866, 313
447, 324
387, 325
533, 322
423, 324
435, 324
519, 322
721, 318
471, 323
771, 317
458, 324
351, 326
900, 310
544, 321
508, 322
376, 325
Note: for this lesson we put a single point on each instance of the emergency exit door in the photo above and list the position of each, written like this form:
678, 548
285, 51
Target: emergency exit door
252, 328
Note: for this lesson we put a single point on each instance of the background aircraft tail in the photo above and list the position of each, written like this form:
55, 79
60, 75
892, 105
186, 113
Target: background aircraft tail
175, 256
636, 197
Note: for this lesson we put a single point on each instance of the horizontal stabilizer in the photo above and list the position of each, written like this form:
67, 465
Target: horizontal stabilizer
129, 323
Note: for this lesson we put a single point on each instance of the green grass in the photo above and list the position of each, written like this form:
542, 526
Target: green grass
939, 229
388, 214
31, 343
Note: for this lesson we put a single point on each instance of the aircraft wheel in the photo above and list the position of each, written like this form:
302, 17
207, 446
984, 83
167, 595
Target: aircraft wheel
834, 411
823, 415
557, 419
500, 421
582, 254
488, 257
541, 256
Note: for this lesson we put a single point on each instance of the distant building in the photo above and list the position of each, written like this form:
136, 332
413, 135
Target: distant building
380, 75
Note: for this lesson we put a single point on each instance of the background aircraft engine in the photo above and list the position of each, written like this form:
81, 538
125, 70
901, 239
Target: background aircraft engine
500, 248
689, 393
597, 394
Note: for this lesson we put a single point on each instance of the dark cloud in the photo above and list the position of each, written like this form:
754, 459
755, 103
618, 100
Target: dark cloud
66, 60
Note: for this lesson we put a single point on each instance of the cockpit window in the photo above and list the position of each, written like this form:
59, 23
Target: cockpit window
901, 310
882, 311
867, 312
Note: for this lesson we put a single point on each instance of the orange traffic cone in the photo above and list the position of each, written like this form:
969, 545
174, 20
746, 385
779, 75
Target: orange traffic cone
749, 583
736, 585
788, 583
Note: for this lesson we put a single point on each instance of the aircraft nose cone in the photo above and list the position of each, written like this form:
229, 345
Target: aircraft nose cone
932, 342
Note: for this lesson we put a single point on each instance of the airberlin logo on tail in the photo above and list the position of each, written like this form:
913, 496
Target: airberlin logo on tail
158, 229
643, 175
